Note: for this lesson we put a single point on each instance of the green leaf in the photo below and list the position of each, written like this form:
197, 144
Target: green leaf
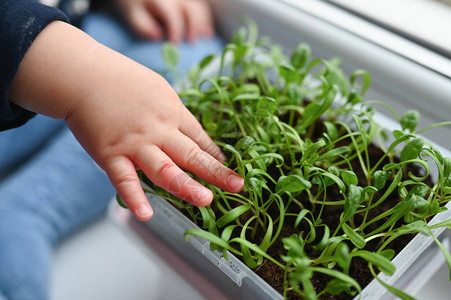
446, 167
323, 242
227, 232
244, 142
170, 54
412, 149
446, 223
365, 82
438, 156
190, 93
353, 98
399, 210
398, 134
258, 173
419, 202
300, 56
266, 241
290, 75
342, 256
307, 285
352, 201
397, 292
232, 215
380, 179
251, 260
355, 238
294, 246
338, 275
292, 184
246, 91
225, 127
231, 149
331, 130
296, 94
336, 152
239, 52
311, 113
256, 185
420, 190
212, 238
388, 253
336, 287
336, 179
380, 261
362, 130
208, 218
206, 61
334, 170
266, 106
349, 178
312, 149
416, 226
301, 216
334, 77
410, 120
369, 189
246, 96
239, 37
331, 176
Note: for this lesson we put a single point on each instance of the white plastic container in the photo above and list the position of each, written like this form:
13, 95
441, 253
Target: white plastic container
218, 278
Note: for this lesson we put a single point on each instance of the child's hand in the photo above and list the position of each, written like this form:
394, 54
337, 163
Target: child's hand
178, 19
124, 115
134, 119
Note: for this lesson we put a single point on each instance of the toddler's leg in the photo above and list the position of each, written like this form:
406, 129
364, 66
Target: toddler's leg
59, 191
19, 144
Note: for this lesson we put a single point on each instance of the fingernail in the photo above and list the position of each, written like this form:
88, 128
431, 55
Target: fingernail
144, 211
235, 182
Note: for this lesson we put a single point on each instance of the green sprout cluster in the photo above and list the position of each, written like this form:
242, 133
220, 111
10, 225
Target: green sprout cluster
296, 129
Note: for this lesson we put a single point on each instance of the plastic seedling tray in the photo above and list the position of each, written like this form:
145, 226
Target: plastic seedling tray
217, 278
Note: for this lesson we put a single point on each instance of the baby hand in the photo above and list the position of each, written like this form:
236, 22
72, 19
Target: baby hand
133, 120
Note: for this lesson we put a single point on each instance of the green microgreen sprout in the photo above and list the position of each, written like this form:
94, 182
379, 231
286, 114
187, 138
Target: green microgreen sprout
303, 138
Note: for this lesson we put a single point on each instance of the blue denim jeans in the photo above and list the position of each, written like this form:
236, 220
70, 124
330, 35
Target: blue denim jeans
49, 186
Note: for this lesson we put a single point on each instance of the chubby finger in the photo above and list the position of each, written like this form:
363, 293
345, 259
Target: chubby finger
172, 18
198, 19
122, 174
192, 129
144, 24
162, 171
189, 156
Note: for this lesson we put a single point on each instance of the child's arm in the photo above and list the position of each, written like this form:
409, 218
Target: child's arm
124, 115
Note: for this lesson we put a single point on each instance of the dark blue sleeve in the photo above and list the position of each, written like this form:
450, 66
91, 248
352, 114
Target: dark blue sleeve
20, 23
